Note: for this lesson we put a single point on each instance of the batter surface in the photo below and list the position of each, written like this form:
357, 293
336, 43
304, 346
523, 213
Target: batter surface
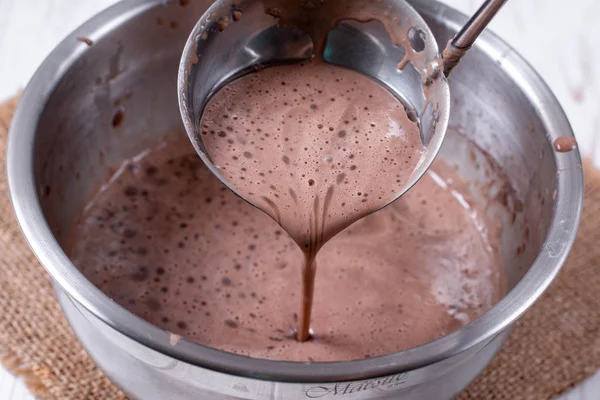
314, 145
166, 240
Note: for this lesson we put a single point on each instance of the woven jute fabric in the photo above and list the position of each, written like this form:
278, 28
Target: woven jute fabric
552, 348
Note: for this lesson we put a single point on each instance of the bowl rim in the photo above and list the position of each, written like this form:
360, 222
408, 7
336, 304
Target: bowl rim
24, 197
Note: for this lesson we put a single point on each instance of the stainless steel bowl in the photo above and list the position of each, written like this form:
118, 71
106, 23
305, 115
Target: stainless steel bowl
89, 107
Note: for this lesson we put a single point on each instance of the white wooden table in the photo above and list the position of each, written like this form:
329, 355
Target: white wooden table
29, 29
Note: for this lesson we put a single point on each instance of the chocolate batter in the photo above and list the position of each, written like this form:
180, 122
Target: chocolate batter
166, 240
565, 144
315, 146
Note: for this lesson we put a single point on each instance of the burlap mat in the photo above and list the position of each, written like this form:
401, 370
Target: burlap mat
553, 347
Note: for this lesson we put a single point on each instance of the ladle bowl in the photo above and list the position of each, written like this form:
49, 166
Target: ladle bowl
234, 38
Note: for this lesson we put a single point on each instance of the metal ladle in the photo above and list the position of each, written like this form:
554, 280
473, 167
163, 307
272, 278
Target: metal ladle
236, 36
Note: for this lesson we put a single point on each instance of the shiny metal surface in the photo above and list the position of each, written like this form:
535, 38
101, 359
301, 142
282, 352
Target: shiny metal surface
466, 37
214, 55
63, 138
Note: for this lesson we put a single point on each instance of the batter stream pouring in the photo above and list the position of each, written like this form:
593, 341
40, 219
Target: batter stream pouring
312, 140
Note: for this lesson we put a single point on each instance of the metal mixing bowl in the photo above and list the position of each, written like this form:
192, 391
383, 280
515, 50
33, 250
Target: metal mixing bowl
89, 107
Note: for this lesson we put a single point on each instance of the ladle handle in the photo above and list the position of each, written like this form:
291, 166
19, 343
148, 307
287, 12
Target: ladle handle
463, 41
